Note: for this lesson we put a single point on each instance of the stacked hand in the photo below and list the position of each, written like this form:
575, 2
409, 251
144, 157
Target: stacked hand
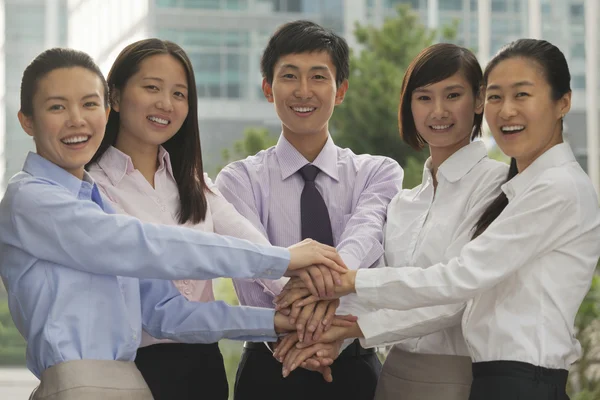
309, 301
298, 288
319, 267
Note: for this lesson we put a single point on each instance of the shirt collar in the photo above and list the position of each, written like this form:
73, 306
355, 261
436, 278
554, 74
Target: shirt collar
556, 156
462, 161
38, 166
117, 164
164, 160
290, 160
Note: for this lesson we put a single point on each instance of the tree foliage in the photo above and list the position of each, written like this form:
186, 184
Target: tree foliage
584, 380
254, 140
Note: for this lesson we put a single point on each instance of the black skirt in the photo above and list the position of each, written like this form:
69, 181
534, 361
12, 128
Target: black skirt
178, 371
513, 380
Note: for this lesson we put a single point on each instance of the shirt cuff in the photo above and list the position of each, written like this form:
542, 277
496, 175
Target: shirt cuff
276, 261
263, 325
371, 326
366, 285
350, 261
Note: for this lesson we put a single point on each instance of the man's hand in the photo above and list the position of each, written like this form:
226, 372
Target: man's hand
313, 319
287, 297
346, 286
326, 266
322, 353
319, 279
282, 323
350, 329
316, 363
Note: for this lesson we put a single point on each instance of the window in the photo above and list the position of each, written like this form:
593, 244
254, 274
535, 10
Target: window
167, 3
450, 5
219, 59
499, 5
287, 5
204, 4
415, 4
577, 11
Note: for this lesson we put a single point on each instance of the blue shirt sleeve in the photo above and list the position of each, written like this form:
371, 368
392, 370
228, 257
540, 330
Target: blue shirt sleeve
166, 314
52, 225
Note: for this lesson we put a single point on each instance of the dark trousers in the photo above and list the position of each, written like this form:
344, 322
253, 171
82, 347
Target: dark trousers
259, 377
178, 371
512, 380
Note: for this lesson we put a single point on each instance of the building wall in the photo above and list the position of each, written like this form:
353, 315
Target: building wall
25, 23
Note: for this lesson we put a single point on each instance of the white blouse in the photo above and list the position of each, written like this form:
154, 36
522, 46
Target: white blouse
524, 278
426, 227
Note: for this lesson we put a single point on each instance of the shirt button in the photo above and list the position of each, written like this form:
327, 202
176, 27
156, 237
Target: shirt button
186, 282
163, 209
187, 291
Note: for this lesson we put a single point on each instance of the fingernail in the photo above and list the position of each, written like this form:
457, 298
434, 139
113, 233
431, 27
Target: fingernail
293, 367
325, 322
292, 320
312, 328
285, 372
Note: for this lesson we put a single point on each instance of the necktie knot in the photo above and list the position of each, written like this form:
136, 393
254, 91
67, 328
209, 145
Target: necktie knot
309, 172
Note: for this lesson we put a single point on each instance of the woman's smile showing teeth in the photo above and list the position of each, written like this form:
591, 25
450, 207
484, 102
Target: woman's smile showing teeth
510, 129
441, 127
75, 140
303, 111
158, 120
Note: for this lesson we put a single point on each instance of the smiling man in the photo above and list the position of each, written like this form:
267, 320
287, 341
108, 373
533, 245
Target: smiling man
307, 187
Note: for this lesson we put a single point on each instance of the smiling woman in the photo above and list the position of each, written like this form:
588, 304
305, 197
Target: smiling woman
150, 166
72, 106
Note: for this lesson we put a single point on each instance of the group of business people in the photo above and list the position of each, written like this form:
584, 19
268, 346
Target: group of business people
111, 234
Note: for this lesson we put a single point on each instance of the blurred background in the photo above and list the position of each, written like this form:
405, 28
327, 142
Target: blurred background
225, 38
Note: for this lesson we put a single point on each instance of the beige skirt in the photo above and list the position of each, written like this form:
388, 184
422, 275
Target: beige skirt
92, 380
414, 376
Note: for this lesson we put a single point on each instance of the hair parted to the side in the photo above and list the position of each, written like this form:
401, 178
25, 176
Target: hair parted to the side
434, 64
184, 147
305, 37
555, 69
48, 61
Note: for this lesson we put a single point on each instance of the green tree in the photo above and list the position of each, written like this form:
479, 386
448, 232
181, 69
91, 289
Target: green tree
254, 140
583, 384
12, 344
367, 120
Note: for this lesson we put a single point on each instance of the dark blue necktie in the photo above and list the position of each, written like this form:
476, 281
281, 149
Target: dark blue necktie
314, 215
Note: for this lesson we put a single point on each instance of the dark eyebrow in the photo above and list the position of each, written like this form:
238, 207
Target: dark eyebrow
454, 87
61, 98
152, 78
451, 87
313, 68
514, 85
